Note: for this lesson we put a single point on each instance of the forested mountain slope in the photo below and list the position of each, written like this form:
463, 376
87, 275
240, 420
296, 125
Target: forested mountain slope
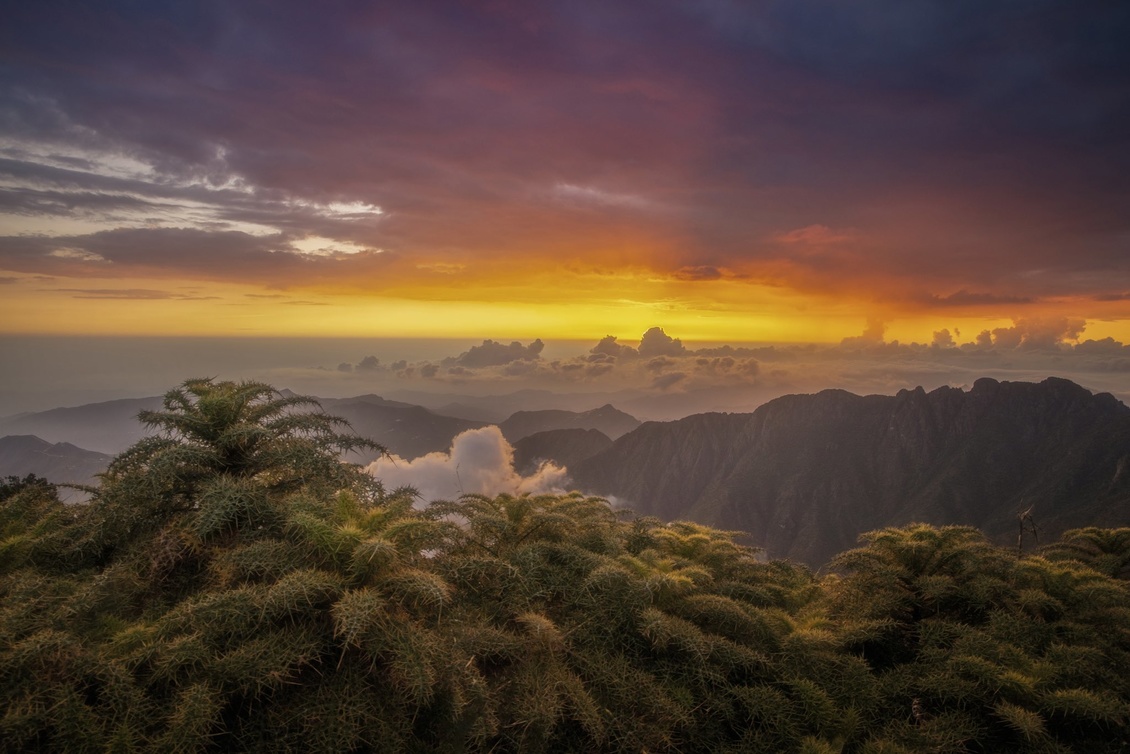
806, 474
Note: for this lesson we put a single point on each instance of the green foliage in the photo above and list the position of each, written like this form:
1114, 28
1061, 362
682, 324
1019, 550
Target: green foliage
960, 633
233, 586
1105, 550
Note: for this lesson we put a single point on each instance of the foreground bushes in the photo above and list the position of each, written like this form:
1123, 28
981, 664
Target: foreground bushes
232, 587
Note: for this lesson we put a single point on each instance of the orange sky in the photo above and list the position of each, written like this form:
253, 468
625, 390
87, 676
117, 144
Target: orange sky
554, 304
800, 172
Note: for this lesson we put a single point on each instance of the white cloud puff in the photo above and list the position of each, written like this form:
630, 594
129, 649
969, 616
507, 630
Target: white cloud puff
479, 461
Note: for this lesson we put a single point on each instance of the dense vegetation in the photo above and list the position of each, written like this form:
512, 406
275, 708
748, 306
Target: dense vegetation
232, 586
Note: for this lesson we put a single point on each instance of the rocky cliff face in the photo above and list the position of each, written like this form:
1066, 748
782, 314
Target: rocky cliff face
806, 474
662, 468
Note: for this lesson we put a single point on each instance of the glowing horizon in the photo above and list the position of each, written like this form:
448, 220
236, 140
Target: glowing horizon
123, 308
763, 174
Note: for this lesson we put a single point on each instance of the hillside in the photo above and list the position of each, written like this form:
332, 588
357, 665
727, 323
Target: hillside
806, 474
59, 463
106, 427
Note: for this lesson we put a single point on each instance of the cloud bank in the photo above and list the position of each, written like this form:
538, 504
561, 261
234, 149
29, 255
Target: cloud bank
660, 377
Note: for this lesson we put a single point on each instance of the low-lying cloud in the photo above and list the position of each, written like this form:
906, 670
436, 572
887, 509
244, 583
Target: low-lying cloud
479, 461
658, 377
492, 353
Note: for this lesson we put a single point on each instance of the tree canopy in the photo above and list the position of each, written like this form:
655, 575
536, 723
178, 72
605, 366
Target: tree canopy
232, 585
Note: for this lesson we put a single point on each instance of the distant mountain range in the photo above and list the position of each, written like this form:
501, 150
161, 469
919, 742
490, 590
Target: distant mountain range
607, 420
806, 474
660, 406
60, 463
106, 427
405, 429
803, 474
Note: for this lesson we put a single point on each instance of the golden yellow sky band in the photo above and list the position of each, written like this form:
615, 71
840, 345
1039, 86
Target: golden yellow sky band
555, 305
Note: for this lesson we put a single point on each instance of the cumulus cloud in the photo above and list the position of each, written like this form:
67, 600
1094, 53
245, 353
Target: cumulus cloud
492, 353
1039, 333
609, 347
943, 339
738, 378
479, 461
609, 363
1105, 346
871, 336
655, 342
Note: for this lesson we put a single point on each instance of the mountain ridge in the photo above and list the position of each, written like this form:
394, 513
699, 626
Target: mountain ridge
58, 463
806, 474
606, 419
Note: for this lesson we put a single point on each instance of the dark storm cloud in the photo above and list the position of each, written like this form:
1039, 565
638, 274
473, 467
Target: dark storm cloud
962, 142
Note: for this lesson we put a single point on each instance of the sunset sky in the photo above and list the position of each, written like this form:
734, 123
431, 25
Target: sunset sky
790, 172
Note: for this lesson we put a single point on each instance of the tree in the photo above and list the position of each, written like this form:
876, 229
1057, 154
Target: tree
233, 586
975, 650
225, 454
1105, 550
242, 430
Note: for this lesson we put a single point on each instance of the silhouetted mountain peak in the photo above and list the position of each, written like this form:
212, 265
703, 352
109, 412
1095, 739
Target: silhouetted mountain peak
607, 419
806, 474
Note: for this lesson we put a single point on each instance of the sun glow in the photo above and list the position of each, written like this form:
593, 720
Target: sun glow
583, 307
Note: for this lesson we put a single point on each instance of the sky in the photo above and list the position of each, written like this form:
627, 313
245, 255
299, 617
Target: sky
851, 176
